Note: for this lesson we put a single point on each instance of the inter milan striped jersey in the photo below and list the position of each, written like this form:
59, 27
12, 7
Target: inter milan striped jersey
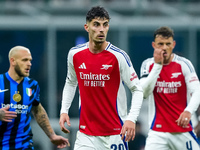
174, 85
103, 103
20, 97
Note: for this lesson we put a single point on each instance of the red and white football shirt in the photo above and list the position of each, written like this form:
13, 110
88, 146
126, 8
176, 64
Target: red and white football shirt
171, 87
100, 77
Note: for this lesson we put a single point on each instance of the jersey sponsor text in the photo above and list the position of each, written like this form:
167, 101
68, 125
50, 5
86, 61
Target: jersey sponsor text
92, 76
94, 80
20, 109
167, 87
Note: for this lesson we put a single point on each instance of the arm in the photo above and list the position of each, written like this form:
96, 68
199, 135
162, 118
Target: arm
130, 78
6, 115
191, 108
128, 128
68, 94
148, 79
193, 89
148, 83
42, 119
194, 101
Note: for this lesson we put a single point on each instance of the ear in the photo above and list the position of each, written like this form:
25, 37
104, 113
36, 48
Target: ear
86, 27
153, 44
12, 61
174, 44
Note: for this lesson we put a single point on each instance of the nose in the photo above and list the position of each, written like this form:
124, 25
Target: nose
101, 28
29, 63
164, 47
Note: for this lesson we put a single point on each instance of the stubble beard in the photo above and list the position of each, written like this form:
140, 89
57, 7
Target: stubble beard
99, 41
19, 72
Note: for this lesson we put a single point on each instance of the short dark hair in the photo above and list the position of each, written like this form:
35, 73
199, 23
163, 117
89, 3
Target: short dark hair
97, 12
164, 31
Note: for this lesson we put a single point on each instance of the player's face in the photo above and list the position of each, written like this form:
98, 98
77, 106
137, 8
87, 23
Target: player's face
23, 63
98, 29
166, 45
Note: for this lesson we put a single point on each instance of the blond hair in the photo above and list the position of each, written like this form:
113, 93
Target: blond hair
15, 49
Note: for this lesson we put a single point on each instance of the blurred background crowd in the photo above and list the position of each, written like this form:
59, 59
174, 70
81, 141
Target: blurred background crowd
49, 28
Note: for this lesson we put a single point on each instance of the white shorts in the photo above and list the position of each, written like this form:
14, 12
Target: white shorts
171, 141
87, 142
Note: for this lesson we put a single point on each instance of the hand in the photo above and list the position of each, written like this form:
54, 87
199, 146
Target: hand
60, 141
64, 118
128, 129
158, 56
184, 119
6, 115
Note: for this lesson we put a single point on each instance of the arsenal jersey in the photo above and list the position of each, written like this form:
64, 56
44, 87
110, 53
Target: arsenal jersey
173, 88
100, 77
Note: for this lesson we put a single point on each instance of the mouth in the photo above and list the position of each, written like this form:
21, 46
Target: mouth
27, 70
165, 54
101, 36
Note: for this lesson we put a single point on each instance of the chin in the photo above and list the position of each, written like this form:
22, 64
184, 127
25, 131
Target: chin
26, 74
100, 40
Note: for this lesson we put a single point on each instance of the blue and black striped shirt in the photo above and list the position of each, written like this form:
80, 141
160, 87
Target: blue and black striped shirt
17, 135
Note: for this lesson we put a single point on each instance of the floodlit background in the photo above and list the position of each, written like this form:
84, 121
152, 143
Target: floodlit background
49, 28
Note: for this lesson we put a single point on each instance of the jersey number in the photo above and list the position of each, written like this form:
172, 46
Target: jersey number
114, 147
189, 145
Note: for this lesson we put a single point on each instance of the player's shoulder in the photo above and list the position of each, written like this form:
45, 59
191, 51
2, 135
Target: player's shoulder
148, 61
179, 58
184, 62
30, 81
1, 76
151, 60
115, 49
119, 53
79, 47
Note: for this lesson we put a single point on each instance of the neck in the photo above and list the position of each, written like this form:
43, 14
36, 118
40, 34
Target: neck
95, 47
15, 76
166, 62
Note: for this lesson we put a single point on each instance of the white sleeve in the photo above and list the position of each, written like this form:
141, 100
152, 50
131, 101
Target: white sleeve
70, 86
148, 80
67, 96
136, 103
194, 101
130, 78
193, 86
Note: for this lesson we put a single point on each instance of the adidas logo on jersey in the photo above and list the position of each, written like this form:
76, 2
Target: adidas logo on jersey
82, 66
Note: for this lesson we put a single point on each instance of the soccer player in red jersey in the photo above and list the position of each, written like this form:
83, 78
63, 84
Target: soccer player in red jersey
101, 69
172, 87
